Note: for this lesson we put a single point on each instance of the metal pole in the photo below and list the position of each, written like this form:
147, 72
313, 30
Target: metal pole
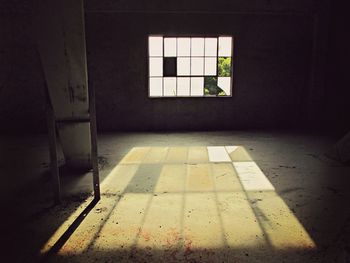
94, 155
93, 125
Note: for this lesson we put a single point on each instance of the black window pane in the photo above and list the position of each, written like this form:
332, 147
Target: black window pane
169, 67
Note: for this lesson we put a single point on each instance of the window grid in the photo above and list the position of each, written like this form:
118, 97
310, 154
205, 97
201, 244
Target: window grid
190, 76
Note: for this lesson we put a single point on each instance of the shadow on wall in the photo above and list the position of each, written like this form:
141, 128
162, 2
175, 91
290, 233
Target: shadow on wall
184, 204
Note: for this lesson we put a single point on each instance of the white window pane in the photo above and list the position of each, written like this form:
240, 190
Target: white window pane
155, 46
197, 66
155, 67
225, 46
197, 86
210, 66
183, 86
183, 66
225, 84
183, 47
155, 87
211, 45
197, 46
170, 47
170, 86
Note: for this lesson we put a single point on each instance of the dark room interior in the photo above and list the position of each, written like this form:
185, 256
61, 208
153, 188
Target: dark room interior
174, 131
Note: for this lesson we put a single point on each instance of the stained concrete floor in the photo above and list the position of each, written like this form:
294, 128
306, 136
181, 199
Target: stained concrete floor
181, 197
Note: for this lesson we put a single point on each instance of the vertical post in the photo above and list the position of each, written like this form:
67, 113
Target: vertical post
93, 125
94, 155
51, 125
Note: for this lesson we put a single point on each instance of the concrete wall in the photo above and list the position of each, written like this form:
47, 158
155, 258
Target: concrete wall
337, 105
277, 80
271, 71
21, 80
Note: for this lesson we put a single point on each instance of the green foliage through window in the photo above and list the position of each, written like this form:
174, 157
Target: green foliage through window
211, 87
224, 67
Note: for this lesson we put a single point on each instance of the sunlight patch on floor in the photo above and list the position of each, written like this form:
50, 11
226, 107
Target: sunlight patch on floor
186, 198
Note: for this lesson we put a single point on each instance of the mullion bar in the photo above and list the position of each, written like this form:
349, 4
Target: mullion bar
184, 76
204, 66
184, 56
190, 67
176, 67
163, 68
217, 59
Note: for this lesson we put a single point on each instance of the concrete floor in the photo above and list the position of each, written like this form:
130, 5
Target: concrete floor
181, 197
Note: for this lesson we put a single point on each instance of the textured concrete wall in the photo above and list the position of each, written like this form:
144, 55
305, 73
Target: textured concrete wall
204, 5
337, 106
272, 60
278, 80
21, 80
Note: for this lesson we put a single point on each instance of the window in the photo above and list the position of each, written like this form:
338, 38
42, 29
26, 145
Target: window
190, 66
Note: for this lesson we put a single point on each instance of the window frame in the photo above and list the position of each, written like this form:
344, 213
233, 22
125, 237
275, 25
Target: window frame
190, 56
